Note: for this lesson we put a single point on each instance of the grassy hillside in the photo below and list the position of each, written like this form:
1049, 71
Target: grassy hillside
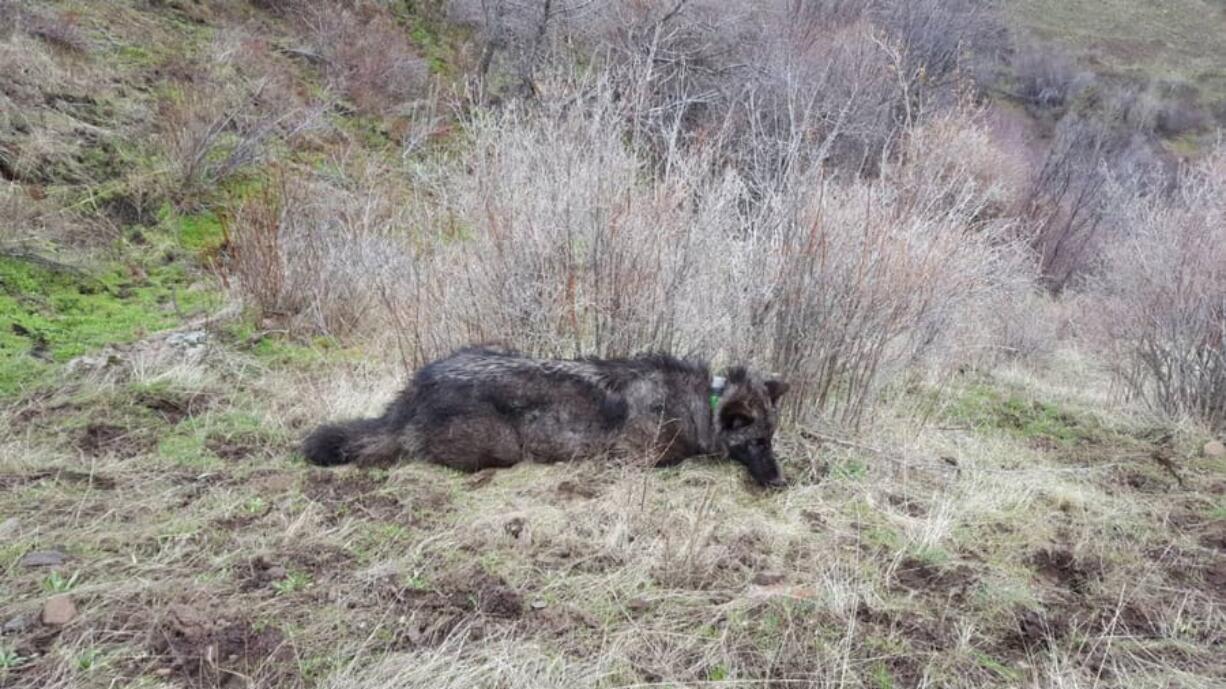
1176, 50
203, 203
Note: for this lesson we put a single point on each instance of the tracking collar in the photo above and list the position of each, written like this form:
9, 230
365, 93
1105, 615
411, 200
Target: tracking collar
718, 383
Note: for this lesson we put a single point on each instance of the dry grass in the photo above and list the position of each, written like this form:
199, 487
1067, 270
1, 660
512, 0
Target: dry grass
1019, 559
996, 521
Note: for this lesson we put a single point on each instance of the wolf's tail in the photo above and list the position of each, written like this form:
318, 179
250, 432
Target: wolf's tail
364, 441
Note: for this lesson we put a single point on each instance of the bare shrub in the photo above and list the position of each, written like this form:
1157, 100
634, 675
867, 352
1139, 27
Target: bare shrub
566, 248
1161, 297
366, 56
1046, 78
223, 121
314, 255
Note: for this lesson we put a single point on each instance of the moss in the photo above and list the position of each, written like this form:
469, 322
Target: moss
198, 232
57, 315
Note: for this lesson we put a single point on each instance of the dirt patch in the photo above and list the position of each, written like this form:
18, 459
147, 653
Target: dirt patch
93, 480
466, 602
1214, 535
1062, 568
230, 449
575, 489
108, 439
1143, 482
921, 633
319, 562
907, 505
173, 409
916, 575
1035, 631
1215, 576
202, 646
345, 493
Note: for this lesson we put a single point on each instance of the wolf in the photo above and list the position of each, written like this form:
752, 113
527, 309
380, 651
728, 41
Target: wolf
484, 407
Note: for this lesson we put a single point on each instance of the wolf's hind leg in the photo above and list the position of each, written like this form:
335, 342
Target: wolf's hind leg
474, 444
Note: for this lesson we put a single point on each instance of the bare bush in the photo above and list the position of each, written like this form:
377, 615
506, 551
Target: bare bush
223, 121
556, 242
1046, 78
314, 255
1161, 298
366, 56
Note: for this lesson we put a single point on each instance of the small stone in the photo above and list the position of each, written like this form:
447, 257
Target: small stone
16, 625
276, 573
9, 527
539, 604
1215, 449
193, 338
43, 558
768, 578
638, 604
59, 610
162, 672
514, 527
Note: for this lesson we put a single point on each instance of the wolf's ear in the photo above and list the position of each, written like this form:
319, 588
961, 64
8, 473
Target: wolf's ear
776, 389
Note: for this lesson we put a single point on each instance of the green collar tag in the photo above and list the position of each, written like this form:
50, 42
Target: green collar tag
714, 401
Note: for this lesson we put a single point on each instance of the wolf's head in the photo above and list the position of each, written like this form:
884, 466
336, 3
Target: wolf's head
746, 411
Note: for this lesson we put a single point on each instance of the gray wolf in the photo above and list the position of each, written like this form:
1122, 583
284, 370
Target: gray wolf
485, 407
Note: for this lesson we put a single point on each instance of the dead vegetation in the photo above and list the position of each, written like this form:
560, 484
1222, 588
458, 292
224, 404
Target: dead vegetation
1006, 353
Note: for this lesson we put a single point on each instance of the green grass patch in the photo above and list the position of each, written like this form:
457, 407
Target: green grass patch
981, 406
52, 316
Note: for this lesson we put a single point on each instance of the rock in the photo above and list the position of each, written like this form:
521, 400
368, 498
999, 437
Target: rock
539, 604
768, 578
192, 338
9, 527
276, 573
43, 558
59, 610
514, 527
1215, 449
17, 625
639, 604
108, 358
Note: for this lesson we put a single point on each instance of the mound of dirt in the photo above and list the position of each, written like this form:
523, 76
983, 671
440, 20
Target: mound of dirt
949, 582
108, 439
202, 647
464, 602
344, 492
1061, 567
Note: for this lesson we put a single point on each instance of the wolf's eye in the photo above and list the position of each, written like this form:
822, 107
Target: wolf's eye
736, 422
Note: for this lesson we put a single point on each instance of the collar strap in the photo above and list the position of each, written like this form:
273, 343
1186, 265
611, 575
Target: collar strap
718, 383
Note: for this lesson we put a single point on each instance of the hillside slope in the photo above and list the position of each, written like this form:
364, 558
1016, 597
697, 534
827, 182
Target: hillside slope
1009, 524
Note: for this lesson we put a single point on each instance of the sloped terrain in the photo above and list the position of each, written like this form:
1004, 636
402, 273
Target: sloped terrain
1012, 523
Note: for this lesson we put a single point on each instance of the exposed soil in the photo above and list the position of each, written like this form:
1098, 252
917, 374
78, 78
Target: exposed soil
93, 480
952, 582
230, 449
346, 492
173, 409
204, 646
107, 439
465, 602
1061, 567
1036, 629
576, 489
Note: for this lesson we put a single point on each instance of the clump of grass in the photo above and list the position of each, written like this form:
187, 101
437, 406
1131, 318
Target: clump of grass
58, 583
